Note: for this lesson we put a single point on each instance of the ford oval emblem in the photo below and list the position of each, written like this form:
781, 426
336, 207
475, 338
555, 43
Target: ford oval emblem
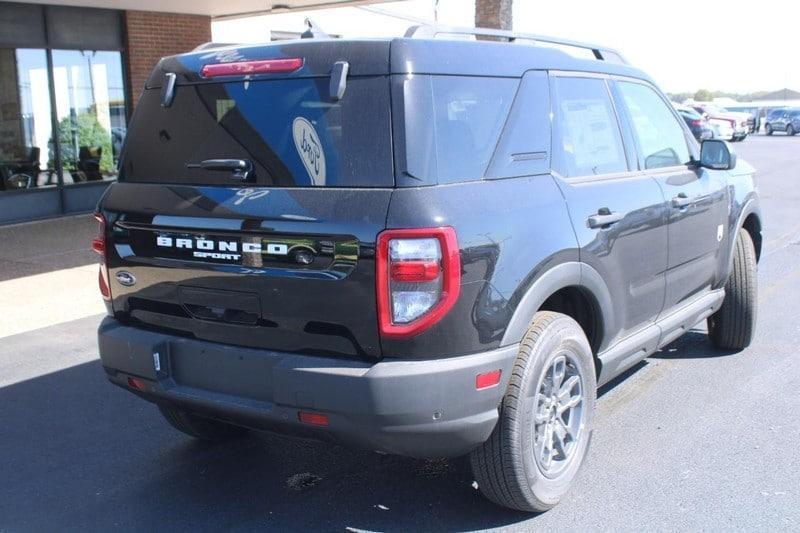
125, 278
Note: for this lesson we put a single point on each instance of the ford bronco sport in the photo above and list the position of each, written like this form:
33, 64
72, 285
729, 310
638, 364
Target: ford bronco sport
420, 246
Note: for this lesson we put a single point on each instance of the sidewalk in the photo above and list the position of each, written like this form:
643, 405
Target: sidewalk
48, 274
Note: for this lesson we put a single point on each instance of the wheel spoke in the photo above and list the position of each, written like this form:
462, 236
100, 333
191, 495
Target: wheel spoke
573, 401
559, 367
559, 432
547, 447
567, 432
566, 389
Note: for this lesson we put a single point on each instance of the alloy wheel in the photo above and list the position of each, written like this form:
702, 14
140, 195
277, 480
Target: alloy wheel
559, 414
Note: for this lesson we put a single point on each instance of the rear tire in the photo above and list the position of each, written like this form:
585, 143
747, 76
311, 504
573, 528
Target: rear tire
732, 327
790, 130
768, 129
200, 427
515, 468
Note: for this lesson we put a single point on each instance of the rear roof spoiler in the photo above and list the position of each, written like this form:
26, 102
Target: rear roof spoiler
601, 53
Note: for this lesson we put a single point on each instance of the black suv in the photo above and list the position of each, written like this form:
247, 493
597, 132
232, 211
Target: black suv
419, 246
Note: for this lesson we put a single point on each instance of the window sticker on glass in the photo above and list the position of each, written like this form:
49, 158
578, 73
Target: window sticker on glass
310, 150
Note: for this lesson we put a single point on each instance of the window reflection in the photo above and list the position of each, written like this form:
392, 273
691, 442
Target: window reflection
90, 110
26, 149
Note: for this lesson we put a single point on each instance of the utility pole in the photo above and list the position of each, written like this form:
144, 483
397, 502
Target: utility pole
494, 14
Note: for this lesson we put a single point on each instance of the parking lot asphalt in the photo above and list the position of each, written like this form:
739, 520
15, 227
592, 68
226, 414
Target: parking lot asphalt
691, 439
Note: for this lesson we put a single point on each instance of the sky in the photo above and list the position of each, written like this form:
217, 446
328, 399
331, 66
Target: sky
685, 45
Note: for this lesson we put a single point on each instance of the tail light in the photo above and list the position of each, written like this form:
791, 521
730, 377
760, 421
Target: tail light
697, 122
242, 68
99, 246
418, 279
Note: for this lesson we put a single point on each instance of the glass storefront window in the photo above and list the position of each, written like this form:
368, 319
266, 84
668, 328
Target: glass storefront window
90, 112
26, 140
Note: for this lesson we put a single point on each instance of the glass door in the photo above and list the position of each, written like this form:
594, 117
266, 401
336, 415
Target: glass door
90, 112
26, 133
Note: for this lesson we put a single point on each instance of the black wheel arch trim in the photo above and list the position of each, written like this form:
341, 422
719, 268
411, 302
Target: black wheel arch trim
561, 276
751, 207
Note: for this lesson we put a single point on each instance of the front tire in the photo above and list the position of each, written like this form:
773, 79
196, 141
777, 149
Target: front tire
545, 425
790, 130
732, 327
199, 427
768, 129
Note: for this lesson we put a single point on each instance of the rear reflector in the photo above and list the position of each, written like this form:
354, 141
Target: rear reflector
489, 379
134, 383
315, 419
240, 68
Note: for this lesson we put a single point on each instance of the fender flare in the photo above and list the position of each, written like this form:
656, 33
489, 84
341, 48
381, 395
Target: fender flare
751, 207
569, 274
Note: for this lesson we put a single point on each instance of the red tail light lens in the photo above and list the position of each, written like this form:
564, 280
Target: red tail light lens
99, 242
487, 380
418, 275
241, 68
99, 246
696, 122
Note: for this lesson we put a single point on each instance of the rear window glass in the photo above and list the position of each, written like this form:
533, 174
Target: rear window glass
291, 131
453, 123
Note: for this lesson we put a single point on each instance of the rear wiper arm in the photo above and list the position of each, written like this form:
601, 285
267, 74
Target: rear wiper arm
240, 168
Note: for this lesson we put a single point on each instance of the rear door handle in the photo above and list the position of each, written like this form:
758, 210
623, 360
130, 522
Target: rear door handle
604, 217
682, 200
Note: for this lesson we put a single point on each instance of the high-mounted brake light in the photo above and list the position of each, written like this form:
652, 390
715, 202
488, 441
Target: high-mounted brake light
418, 276
263, 66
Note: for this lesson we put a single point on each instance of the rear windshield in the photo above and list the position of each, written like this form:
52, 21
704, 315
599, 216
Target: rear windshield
291, 131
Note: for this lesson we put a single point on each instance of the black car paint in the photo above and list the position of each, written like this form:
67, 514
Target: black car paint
522, 238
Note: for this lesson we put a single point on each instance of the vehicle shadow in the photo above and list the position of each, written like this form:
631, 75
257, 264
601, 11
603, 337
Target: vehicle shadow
78, 453
693, 345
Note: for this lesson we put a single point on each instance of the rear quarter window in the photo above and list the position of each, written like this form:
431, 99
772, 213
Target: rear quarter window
452, 125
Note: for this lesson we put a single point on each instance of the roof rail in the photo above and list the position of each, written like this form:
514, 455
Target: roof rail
601, 53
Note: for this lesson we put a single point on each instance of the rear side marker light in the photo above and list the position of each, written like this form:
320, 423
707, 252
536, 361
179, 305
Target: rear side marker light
488, 379
418, 279
241, 68
314, 419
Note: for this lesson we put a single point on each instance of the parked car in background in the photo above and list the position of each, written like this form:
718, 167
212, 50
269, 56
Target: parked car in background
754, 122
732, 126
787, 120
698, 124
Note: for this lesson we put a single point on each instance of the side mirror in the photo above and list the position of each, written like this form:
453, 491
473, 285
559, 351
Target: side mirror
717, 155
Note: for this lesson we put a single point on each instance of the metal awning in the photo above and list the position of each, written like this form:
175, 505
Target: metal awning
213, 8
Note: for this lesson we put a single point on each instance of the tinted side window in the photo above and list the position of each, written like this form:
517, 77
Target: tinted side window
661, 138
587, 141
452, 124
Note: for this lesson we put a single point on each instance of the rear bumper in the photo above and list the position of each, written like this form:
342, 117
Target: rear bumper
426, 408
